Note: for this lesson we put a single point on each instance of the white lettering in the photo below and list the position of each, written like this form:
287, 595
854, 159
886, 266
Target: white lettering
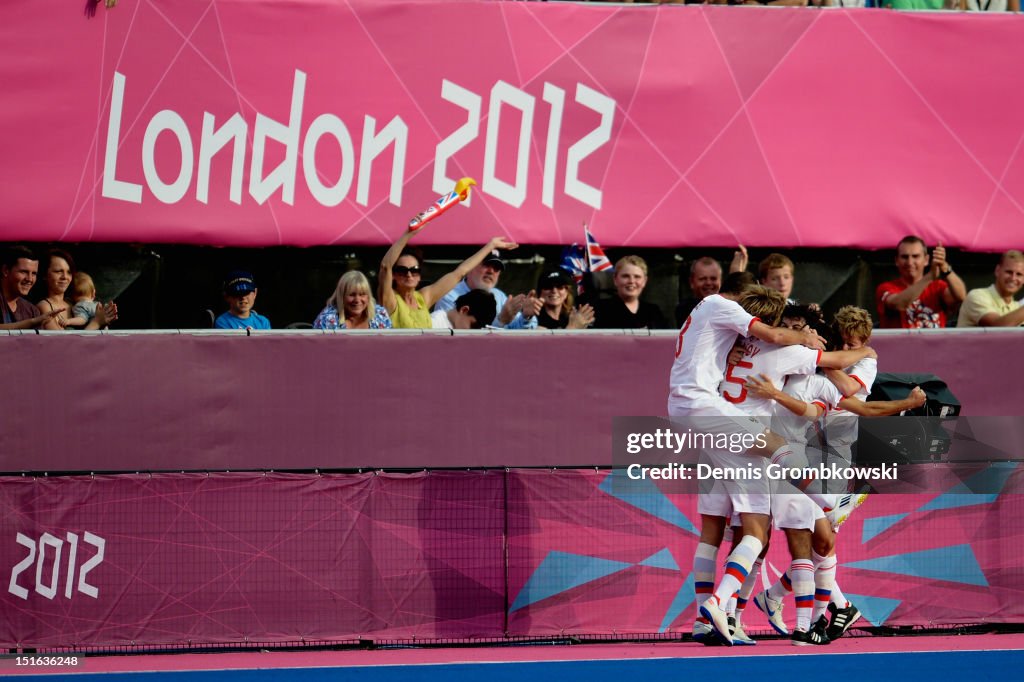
282, 177
266, 178
100, 544
554, 96
513, 194
48, 591
112, 187
212, 142
328, 124
48, 588
14, 588
396, 133
459, 138
167, 120
590, 143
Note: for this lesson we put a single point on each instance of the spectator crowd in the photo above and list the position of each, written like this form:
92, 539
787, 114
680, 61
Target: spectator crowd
48, 292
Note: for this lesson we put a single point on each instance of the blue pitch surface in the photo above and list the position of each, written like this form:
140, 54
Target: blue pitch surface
928, 666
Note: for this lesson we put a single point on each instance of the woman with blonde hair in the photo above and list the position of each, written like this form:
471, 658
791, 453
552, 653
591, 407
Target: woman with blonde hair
352, 306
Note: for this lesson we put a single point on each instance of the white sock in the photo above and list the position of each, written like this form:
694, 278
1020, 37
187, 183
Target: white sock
737, 566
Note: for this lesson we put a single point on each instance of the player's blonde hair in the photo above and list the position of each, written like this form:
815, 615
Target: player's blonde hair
853, 322
764, 303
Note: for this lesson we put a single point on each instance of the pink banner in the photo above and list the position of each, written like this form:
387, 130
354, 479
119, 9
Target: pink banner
263, 122
194, 559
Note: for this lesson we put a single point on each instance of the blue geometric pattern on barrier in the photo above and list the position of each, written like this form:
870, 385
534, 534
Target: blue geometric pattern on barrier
561, 571
879, 524
662, 559
645, 495
876, 610
955, 564
962, 495
684, 597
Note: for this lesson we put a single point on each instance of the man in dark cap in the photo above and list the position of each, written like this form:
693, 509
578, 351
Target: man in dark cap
515, 312
240, 293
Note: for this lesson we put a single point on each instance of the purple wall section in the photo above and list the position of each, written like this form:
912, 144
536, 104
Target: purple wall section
167, 401
178, 559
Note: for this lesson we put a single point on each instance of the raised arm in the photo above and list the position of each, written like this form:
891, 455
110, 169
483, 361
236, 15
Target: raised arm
781, 336
436, 291
764, 388
846, 384
385, 292
844, 358
884, 408
739, 259
903, 299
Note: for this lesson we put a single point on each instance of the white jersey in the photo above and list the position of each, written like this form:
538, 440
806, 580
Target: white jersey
811, 388
841, 426
702, 348
864, 371
775, 362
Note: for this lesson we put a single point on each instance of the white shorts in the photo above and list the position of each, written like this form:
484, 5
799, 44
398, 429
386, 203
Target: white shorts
795, 511
749, 490
715, 503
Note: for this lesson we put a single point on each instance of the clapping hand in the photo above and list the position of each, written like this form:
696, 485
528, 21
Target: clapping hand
582, 317
531, 305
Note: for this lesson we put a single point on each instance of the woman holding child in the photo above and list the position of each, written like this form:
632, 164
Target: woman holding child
58, 268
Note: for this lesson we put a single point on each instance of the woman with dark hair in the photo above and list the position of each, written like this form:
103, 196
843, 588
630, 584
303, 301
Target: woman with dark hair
58, 270
58, 267
399, 277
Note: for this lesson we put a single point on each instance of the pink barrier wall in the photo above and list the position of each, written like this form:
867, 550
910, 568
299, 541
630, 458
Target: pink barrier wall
193, 559
189, 122
130, 402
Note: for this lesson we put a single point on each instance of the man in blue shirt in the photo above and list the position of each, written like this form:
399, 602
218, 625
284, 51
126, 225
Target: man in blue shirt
516, 312
240, 293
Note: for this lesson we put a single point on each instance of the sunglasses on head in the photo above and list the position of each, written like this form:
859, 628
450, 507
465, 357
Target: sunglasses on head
403, 270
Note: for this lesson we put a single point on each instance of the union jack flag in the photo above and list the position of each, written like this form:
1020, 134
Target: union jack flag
596, 258
574, 261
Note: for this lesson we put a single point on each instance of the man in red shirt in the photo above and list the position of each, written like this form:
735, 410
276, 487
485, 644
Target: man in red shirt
924, 294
